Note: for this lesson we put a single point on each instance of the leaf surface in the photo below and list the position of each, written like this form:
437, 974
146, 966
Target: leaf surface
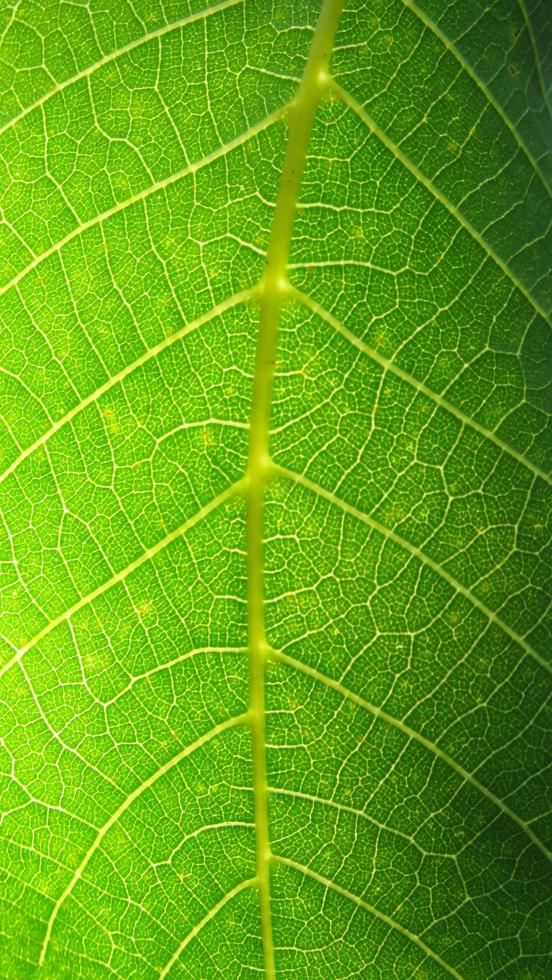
275, 296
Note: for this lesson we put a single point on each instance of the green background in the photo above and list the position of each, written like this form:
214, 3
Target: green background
407, 548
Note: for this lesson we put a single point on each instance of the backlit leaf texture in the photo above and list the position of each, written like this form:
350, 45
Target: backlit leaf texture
275, 347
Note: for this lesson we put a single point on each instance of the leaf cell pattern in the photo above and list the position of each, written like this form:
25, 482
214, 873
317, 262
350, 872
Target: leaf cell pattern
275, 633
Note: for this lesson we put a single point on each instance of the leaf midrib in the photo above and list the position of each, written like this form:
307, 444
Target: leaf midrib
273, 292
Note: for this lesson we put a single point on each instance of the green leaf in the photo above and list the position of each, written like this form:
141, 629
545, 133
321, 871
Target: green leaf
275, 296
